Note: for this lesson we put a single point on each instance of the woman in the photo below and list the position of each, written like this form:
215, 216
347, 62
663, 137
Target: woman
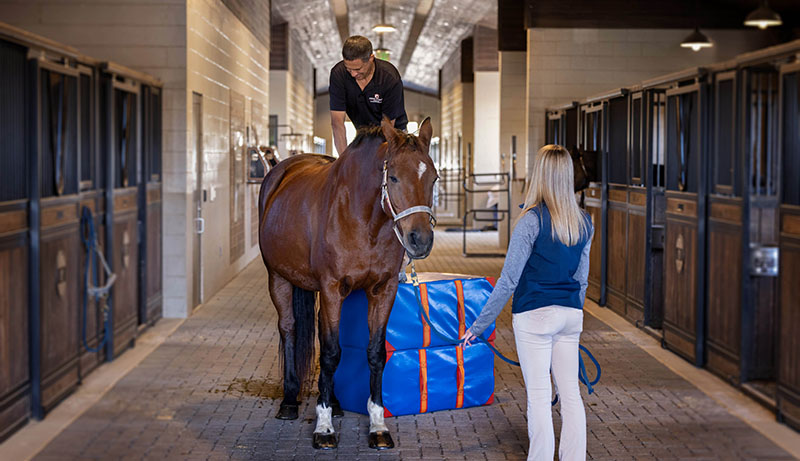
546, 268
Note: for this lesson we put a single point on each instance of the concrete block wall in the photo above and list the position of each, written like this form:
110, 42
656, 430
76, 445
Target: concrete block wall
223, 56
513, 122
293, 99
421, 105
456, 108
571, 64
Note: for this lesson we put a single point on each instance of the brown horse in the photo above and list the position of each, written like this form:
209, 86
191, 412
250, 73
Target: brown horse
330, 226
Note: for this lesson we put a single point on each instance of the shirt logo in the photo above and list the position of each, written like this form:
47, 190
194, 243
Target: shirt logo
376, 99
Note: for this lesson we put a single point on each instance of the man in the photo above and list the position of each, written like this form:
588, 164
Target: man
365, 89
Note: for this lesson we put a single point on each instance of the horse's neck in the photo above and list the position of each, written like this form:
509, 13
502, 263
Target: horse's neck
360, 172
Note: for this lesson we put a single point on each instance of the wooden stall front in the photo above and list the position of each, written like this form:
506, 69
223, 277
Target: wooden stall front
55, 162
615, 181
788, 388
685, 182
15, 195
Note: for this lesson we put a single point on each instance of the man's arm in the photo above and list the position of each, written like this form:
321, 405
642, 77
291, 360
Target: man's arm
339, 134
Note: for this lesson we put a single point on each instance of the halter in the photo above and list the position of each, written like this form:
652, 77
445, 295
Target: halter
387, 202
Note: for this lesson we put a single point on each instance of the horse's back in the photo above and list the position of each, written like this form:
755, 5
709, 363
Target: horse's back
289, 220
304, 165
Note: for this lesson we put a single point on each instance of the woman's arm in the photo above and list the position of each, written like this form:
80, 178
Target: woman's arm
519, 250
582, 274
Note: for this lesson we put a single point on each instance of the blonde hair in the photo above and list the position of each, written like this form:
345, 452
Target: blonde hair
552, 182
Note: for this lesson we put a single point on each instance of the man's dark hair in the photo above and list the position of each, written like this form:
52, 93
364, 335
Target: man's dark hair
357, 47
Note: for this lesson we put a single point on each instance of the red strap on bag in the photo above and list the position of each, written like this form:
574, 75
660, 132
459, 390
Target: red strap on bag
423, 381
460, 296
426, 329
460, 377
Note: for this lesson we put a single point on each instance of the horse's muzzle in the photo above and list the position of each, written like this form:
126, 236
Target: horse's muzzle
420, 242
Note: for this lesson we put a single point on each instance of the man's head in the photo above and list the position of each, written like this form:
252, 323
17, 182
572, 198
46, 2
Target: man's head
358, 58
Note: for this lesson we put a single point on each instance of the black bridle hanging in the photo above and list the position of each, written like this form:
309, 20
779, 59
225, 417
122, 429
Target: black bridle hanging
125, 138
683, 141
58, 138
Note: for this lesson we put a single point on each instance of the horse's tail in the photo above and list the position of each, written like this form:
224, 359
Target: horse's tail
303, 302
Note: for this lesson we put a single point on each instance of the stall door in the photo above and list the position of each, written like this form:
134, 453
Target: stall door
150, 189
59, 238
724, 271
685, 224
788, 397
123, 151
15, 382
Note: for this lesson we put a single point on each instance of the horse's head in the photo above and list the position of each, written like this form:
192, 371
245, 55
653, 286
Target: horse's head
581, 176
409, 176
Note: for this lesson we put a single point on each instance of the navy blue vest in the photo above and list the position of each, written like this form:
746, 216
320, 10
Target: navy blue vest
547, 278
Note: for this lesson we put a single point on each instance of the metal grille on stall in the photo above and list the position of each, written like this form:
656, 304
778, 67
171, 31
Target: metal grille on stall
591, 139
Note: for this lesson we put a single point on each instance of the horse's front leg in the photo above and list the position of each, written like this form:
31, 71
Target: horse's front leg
329, 355
380, 298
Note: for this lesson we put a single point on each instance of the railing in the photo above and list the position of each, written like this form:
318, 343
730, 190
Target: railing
494, 182
450, 179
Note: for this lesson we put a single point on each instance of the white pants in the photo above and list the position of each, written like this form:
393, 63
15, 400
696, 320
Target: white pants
547, 338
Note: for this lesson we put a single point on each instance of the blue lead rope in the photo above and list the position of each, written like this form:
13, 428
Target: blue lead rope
582, 375
89, 238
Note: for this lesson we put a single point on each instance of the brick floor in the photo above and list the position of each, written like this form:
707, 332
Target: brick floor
204, 394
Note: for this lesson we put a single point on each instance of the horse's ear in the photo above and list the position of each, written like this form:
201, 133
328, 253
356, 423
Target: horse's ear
389, 131
426, 132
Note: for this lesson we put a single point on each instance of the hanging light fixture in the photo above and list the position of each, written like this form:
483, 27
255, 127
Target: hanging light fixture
696, 41
381, 52
383, 27
763, 17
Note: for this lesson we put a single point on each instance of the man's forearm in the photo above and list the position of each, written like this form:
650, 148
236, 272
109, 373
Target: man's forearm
339, 137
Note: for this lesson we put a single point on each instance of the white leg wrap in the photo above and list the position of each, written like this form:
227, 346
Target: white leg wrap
376, 423
324, 420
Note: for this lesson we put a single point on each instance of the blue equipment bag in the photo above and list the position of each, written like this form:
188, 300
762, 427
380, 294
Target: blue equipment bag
423, 373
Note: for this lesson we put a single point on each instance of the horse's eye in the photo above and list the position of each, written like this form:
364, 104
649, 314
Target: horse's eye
394, 180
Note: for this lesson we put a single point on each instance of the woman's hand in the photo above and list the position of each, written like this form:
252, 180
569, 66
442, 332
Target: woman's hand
467, 338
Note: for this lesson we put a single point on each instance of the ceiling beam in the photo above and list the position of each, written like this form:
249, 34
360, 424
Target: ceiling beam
340, 12
420, 16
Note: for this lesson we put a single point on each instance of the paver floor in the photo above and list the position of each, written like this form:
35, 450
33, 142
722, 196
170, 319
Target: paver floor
208, 392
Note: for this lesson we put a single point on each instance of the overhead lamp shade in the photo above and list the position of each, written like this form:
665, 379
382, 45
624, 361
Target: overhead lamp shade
763, 17
696, 41
384, 28
383, 53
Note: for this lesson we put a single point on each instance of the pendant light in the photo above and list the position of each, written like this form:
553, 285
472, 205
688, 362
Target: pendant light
381, 52
383, 27
696, 41
763, 17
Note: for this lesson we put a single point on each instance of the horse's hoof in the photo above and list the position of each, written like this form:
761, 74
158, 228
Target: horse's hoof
381, 440
325, 441
288, 411
336, 410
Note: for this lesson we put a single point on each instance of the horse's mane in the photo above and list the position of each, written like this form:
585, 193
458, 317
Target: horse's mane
376, 132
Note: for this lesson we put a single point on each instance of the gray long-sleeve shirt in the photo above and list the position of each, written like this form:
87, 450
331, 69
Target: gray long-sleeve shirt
519, 251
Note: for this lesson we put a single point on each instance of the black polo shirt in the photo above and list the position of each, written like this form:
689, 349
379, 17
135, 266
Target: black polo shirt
383, 95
